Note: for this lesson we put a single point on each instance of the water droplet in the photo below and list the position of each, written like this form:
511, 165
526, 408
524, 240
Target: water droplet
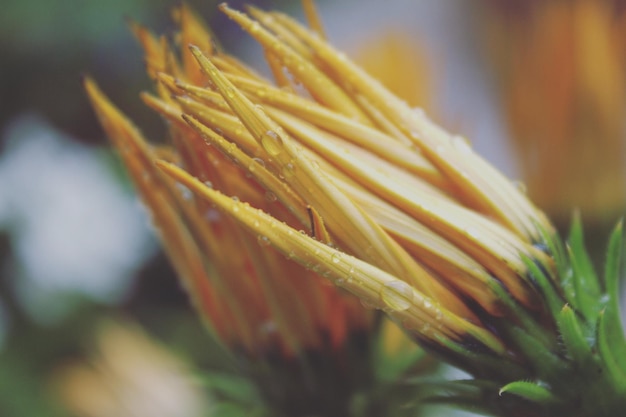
368, 304
209, 184
263, 240
230, 92
419, 112
235, 206
253, 165
272, 143
461, 144
288, 170
335, 258
254, 27
270, 197
268, 327
212, 215
439, 315
521, 187
397, 295
184, 191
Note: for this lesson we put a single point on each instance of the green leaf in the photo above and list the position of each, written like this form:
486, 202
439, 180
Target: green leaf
228, 409
389, 367
530, 391
466, 394
235, 388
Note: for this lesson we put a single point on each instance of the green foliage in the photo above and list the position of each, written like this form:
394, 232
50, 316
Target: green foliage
569, 359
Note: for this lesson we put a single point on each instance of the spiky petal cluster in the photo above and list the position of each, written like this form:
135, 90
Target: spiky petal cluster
393, 209
251, 296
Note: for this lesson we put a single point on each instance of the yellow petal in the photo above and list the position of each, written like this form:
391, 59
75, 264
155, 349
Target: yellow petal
400, 300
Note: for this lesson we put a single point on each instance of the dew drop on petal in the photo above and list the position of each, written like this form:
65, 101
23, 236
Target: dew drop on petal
254, 27
367, 304
439, 315
461, 143
521, 187
270, 197
288, 170
397, 295
263, 240
272, 143
335, 258
184, 191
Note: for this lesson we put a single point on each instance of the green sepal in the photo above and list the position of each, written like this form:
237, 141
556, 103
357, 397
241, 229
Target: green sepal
530, 391
612, 273
545, 286
573, 337
585, 280
610, 366
526, 321
545, 363
467, 359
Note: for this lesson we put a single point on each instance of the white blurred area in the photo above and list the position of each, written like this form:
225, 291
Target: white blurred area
73, 227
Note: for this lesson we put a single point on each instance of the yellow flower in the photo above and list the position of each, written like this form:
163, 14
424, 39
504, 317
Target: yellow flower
253, 298
560, 68
325, 174
401, 213
127, 376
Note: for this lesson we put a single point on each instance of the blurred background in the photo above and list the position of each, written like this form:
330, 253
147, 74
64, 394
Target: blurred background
88, 303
